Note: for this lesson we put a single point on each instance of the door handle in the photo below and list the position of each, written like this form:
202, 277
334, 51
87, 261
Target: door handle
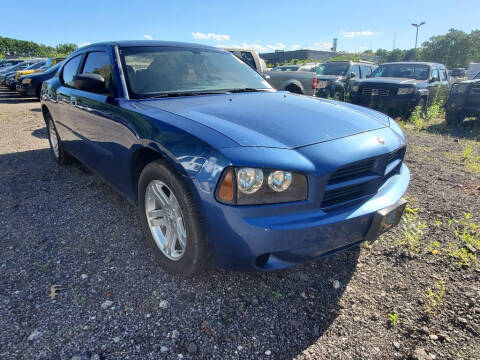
73, 101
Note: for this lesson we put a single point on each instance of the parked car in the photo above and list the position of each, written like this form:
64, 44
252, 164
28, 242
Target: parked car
250, 57
298, 82
333, 78
400, 86
31, 85
12, 79
464, 101
473, 69
220, 165
12, 70
9, 62
47, 64
458, 73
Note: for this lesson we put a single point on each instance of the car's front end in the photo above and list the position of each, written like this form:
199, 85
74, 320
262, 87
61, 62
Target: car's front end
327, 85
344, 194
464, 98
395, 94
26, 87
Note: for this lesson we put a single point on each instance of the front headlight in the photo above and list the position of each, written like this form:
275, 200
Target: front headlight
26, 81
405, 91
459, 88
253, 186
354, 87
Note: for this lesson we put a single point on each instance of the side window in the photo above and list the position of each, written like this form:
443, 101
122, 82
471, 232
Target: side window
434, 74
70, 70
98, 62
443, 76
356, 70
366, 70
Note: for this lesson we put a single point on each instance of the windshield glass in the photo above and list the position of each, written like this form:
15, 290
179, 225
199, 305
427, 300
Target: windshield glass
332, 69
156, 71
286, 68
477, 76
408, 71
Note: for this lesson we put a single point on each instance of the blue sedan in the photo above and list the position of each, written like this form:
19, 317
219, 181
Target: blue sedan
222, 167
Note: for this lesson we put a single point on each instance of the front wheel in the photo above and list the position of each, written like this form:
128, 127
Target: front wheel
453, 118
171, 221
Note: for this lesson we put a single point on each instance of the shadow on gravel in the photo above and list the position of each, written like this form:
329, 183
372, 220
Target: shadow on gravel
40, 133
470, 129
12, 97
64, 226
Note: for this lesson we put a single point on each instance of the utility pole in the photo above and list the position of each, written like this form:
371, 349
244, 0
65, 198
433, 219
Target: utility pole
416, 37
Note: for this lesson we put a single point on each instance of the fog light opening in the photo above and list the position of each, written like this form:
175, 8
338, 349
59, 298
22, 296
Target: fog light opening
262, 260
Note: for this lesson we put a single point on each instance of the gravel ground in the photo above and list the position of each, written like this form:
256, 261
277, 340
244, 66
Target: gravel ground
62, 227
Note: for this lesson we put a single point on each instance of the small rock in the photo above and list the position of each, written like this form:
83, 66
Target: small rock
83, 276
95, 357
268, 352
175, 334
424, 330
471, 249
180, 356
163, 304
356, 318
462, 320
336, 284
106, 304
420, 354
396, 345
192, 348
444, 337
36, 334
116, 339
433, 337
239, 347
80, 357
163, 349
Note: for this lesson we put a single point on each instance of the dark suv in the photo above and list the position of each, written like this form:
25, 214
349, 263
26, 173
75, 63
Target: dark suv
334, 78
400, 86
464, 100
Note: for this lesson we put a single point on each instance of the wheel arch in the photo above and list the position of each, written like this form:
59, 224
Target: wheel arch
294, 83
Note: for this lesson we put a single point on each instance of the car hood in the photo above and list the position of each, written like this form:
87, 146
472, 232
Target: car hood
273, 119
392, 80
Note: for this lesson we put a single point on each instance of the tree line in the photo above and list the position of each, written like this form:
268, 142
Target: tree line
23, 48
456, 49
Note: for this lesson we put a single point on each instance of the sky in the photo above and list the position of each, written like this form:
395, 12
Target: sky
263, 25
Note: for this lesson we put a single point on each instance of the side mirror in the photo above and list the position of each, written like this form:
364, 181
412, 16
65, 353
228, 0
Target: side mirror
352, 75
432, 80
90, 82
267, 77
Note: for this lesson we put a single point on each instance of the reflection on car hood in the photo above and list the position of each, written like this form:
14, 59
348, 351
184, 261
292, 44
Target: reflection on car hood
392, 80
273, 119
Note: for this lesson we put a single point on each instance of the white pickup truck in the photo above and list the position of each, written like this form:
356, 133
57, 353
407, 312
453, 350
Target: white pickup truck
250, 57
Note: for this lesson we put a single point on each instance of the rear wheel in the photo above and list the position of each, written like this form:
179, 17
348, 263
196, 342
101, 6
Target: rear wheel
56, 145
453, 118
294, 89
171, 221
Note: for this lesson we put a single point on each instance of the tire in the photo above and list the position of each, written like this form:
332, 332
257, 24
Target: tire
423, 107
56, 145
194, 250
294, 89
38, 91
338, 96
453, 118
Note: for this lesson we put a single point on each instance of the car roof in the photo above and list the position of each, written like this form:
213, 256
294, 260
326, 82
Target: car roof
414, 62
133, 43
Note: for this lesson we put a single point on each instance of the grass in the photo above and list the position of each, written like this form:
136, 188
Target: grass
413, 229
392, 319
80, 299
434, 297
277, 294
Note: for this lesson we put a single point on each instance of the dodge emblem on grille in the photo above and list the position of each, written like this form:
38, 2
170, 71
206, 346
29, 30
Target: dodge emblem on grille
380, 141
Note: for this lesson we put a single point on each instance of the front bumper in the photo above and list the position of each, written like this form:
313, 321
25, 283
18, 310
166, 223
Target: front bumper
271, 237
25, 89
467, 105
397, 102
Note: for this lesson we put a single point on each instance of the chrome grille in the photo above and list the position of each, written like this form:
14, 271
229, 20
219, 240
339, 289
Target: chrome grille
368, 91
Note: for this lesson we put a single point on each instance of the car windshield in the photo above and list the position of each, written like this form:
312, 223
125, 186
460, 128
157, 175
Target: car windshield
36, 66
47, 64
332, 69
408, 71
286, 68
175, 71
53, 68
477, 76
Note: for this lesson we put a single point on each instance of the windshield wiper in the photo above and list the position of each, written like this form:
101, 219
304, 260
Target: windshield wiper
240, 90
186, 93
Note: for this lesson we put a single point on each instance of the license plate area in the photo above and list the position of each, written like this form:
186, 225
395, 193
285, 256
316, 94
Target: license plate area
385, 219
